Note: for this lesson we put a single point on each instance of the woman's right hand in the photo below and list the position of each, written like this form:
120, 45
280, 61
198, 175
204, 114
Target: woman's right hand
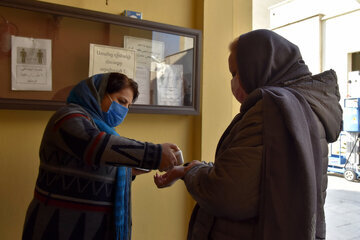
168, 159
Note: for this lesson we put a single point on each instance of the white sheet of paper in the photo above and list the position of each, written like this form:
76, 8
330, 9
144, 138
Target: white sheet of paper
105, 59
169, 85
31, 64
147, 51
142, 77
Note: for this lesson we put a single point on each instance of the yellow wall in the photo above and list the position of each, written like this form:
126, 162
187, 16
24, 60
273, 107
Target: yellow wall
242, 15
157, 214
223, 21
174, 12
20, 135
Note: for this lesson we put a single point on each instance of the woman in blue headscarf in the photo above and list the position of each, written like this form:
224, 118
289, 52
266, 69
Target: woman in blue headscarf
86, 168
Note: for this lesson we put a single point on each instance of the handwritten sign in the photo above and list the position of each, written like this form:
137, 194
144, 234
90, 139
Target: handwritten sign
105, 59
31, 64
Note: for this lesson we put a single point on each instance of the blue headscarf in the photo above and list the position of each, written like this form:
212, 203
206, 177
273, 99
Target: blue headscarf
89, 94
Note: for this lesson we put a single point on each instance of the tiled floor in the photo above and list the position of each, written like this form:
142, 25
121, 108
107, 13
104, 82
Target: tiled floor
342, 209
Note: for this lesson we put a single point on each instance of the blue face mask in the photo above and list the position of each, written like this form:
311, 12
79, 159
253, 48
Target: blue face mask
116, 114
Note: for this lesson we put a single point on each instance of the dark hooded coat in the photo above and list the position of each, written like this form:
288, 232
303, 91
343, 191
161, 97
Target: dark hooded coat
269, 178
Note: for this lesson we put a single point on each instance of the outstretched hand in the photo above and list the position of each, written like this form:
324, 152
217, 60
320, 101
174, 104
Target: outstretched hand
169, 178
168, 159
176, 173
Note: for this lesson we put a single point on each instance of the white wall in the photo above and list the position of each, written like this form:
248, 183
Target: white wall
326, 40
306, 35
289, 11
261, 14
341, 37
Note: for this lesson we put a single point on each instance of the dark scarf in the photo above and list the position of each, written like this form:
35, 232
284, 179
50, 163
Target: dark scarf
291, 171
88, 94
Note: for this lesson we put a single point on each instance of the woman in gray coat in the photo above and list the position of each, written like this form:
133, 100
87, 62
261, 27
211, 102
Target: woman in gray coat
268, 180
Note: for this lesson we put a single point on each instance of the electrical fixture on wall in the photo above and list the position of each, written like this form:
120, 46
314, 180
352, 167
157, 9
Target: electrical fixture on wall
6, 30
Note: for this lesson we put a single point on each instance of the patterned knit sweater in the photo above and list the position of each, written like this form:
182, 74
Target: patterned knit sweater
74, 191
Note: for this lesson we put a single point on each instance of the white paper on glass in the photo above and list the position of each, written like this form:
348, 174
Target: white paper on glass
104, 59
147, 51
31, 64
169, 85
142, 77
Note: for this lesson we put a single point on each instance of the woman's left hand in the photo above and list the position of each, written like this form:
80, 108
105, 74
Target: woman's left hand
169, 178
136, 171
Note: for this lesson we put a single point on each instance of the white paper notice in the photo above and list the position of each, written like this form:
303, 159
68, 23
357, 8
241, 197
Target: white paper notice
147, 51
169, 84
142, 78
105, 59
31, 64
